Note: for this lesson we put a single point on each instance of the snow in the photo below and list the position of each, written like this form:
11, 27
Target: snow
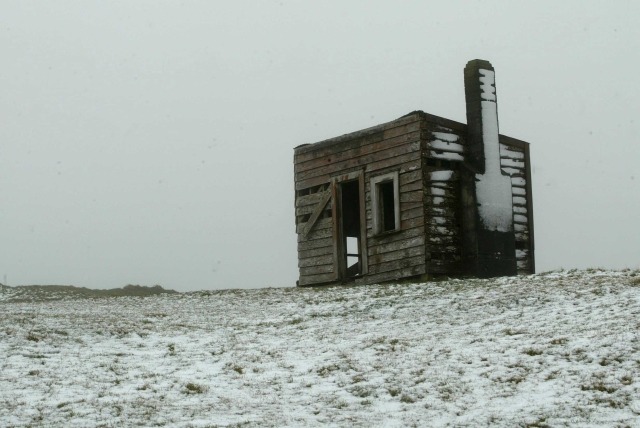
518, 181
519, 191
450, 156
554, 349
493, 190
519, 200
446, 146
510, 153
510, 171
519, 210
487, 85
443, 175
520, 218
446, 136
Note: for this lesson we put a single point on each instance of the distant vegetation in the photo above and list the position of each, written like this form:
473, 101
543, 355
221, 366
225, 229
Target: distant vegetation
57, 292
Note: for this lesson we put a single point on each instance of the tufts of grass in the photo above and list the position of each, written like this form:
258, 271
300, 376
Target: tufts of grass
394, 391
532, 352
194, 388
539, 423
340, 404
362, 391
515, 379
358, 378
32, 337
552, 375
296, 321
235, 367
559, 341
626, 379
324, 371
407, 399
599, 386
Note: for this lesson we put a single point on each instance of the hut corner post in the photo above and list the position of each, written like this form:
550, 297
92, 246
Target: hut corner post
489, 238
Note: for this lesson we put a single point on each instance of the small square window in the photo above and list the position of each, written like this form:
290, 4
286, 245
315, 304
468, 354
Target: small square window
385, 198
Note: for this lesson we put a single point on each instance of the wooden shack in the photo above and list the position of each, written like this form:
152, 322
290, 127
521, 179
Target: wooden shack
420, 196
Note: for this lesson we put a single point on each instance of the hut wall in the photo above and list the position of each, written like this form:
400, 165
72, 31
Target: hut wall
391, 147
443, 155
514, 161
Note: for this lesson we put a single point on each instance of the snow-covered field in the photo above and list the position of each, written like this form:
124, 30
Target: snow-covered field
556, 349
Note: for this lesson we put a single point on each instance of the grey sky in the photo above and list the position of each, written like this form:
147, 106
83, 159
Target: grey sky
151, 142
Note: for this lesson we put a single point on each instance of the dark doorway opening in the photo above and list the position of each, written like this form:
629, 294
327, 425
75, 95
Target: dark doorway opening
351, 239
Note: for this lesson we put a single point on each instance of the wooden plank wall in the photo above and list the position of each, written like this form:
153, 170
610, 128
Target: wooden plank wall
444, 152
513, 160
394, 146
400, 254
315, 251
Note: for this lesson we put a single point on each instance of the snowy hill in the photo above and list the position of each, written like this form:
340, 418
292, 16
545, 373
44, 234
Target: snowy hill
552, 349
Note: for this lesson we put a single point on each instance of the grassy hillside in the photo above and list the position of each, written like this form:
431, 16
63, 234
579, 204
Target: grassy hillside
553, 349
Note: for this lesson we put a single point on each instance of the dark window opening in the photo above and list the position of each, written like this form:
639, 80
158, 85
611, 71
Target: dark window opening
385, 203
387, 206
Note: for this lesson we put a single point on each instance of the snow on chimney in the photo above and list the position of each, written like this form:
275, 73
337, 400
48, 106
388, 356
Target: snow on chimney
493, 189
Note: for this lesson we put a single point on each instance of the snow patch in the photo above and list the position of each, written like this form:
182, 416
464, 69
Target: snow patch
446, 136
558, 349
493, 190
444, 175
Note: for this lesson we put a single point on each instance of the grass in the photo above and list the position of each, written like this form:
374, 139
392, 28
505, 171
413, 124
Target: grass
193, 388
30, 293
352, 356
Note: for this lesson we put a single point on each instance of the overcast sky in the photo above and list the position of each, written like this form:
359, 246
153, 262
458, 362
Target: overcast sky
151, 142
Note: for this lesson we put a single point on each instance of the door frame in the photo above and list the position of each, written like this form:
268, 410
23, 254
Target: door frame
339, 243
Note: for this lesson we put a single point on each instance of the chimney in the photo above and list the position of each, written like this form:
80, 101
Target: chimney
493, 246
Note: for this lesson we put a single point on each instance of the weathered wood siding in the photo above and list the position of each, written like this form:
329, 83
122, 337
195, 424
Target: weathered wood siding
514, 161
394, 146
315, 249
428, 153
399, 254
443, 156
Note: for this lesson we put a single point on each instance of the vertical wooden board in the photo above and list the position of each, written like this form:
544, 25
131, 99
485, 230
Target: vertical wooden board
318, 279
394, 275
442, 205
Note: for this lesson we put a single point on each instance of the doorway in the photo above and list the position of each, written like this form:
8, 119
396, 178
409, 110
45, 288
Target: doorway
351, 227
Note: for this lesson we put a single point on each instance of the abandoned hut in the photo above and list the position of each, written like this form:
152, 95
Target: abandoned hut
420, 196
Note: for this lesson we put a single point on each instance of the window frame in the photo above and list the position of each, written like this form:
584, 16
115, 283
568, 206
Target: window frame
377, 210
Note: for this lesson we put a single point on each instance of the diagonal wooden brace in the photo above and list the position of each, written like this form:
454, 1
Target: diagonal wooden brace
316, 214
